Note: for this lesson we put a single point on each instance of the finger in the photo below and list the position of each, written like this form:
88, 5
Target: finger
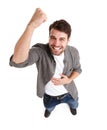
63, 76
55, 79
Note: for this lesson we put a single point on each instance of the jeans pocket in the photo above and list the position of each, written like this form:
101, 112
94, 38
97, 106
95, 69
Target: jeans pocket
46, 99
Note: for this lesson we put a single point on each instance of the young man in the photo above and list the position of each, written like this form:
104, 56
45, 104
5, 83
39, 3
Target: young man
57, 62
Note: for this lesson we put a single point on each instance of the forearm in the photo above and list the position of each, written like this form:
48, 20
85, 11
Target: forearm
73, 75
65, 79
22, 46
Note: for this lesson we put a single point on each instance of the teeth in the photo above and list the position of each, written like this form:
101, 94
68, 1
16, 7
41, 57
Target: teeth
56, 48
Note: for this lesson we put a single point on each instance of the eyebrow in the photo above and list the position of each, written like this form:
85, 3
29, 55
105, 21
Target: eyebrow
52, 36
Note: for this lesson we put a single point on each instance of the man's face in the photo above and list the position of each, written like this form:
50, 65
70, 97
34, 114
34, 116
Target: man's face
57, 41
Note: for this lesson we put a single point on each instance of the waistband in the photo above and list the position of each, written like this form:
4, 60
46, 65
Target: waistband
59, 97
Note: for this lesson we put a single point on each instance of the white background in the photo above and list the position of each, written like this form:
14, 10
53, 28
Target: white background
20, 108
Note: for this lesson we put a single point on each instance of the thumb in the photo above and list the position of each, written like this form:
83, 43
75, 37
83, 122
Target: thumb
63, 76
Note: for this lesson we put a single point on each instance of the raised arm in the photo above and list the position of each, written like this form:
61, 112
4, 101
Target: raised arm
23, 44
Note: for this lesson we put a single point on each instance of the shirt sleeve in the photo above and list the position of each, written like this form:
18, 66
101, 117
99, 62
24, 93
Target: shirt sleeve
76, 63
33, 57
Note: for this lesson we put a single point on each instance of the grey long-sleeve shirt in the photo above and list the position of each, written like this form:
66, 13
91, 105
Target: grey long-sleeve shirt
41, 55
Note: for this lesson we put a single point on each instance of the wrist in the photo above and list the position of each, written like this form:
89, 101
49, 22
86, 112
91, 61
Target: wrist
31, 26
70, 80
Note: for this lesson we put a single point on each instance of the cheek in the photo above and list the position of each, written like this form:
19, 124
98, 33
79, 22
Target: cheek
51, 42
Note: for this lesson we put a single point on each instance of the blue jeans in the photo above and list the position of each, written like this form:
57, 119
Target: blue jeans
50, 102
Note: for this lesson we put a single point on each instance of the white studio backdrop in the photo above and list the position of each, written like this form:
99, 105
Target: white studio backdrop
20, 108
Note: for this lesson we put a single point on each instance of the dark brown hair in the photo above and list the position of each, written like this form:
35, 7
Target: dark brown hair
61, 25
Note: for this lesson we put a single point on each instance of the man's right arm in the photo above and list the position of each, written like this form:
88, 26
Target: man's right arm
22, 46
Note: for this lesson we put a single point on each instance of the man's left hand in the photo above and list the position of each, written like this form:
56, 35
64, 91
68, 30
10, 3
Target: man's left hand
61, 81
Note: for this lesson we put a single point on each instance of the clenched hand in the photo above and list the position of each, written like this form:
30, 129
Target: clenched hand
38, 18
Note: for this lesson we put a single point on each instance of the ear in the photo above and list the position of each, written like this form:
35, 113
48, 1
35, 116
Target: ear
69, 39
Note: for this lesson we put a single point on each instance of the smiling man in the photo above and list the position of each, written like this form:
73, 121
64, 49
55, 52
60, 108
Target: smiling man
58, 63
58, 41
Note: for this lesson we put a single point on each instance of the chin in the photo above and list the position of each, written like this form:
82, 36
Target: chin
57, 53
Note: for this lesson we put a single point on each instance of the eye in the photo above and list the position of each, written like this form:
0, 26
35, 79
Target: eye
62, 39
52, 37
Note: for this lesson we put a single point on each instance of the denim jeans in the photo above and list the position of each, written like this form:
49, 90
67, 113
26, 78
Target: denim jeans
50, 102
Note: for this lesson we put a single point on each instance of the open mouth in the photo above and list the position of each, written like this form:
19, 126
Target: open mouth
56, 48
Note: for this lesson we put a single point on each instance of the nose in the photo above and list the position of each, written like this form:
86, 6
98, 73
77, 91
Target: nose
56, 42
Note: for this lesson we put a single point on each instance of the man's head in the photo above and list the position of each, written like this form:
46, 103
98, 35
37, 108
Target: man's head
59, 36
